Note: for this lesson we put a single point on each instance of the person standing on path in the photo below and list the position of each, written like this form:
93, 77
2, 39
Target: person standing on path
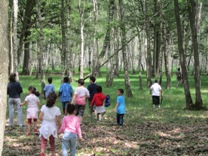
14, 90
156, 92
48, 88
92, 90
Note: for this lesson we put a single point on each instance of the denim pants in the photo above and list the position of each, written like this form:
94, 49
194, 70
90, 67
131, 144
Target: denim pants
69, 140
120, 119
15, 102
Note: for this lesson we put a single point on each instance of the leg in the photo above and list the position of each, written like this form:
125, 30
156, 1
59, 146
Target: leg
63, 107
73, 144
29, 122
65, 144
43, 144
19, 111
52, 144
35, 125
121, 119
118, 118
11, 111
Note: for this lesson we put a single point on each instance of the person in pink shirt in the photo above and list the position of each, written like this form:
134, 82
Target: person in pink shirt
71, 129
32, 111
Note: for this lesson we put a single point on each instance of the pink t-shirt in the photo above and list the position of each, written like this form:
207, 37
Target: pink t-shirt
81, 94
71, 123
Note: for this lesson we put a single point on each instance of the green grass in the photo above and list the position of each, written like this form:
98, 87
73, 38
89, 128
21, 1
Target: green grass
170, 130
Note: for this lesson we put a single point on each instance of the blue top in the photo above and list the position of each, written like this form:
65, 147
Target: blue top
121, 105
48, 89
92, 90
66, 92
14, 89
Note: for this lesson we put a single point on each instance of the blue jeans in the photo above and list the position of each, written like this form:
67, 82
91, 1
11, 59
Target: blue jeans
15, 102
69, 140
120, 119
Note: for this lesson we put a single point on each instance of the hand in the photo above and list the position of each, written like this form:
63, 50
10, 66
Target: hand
114, 109
81, 139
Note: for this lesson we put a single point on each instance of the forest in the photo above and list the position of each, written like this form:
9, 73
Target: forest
127, 43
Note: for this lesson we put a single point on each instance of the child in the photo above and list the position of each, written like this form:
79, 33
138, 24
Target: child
120, 107
50, 120
156, 92
98, 100
79, 98
32, 111
48, 88
71, 128
179, 77
65, 93
92, 90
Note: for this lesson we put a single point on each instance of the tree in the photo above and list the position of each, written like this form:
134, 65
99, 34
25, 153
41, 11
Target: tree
4, 51
182, 57
192, 15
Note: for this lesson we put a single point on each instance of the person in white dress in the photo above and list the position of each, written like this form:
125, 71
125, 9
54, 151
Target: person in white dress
50, 117
32, 101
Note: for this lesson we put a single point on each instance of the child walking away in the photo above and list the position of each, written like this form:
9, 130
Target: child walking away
48, 88
156, 92
179, 77
120, 107
71, 129
79, 98
32, 101
98, 100
65, 93
50, 117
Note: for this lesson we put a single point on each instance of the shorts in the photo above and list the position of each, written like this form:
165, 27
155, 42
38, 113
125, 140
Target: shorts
155, 100
79, 110
64, 104
29, 120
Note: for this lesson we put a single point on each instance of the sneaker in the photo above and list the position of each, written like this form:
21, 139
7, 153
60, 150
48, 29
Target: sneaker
42, 154
28, 134
36, 131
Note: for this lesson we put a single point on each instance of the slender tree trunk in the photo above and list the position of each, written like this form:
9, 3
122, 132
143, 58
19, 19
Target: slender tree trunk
192, 15
140, 62
123, 40
106, 42
182, 57
26, 61
4, 53
15, 6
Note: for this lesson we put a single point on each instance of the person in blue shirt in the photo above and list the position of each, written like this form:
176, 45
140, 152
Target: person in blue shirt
49, 88
120, 107
65, 93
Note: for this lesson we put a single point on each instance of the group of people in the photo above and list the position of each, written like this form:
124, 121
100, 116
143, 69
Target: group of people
73, 105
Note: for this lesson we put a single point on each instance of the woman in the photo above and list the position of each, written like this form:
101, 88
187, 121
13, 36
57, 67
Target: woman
14, 90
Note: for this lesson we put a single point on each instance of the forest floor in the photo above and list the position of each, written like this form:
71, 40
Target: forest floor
146, 132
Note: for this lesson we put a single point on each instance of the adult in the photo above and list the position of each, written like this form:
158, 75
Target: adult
65, 93
92, 90
179, 77
156, 92
14, 90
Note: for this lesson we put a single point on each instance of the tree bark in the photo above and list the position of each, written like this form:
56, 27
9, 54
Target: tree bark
123, 40
182, 57
192, 15
4, 52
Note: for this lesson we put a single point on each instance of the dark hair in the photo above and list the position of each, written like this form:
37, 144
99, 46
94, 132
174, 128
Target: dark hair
33, 90
156, 81
70, 108
51, 99
50, 80
66, 79
99, 89
121, 90
179, 69
12, 77
81, 81
92, 78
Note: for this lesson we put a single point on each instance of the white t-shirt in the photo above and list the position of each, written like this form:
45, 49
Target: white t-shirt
155, 88
48, 126
81, 94
32, 101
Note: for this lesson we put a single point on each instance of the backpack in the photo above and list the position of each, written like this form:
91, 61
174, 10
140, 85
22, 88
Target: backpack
107, 101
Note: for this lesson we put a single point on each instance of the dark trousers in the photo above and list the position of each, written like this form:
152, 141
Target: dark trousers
120, 119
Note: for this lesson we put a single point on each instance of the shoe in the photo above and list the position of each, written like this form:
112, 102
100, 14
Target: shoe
42, 154
36, 131
28, 134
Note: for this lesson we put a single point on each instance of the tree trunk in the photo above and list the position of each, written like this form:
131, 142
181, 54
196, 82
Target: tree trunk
106, 42
4, 52
182, 57
123, 41
192, 15
15, 6
26, 61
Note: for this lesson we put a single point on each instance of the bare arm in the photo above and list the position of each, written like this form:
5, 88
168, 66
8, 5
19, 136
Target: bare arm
41, 116
116, 107
58, 123
74, 96
23, 103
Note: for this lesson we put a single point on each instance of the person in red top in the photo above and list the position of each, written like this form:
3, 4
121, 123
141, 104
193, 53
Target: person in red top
98, 100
